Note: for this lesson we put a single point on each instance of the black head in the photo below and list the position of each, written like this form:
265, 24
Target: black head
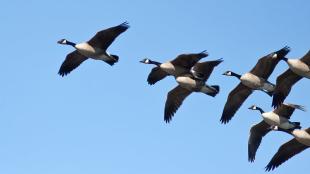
63, 42
228, 73
280, 54
146, 61
253, 107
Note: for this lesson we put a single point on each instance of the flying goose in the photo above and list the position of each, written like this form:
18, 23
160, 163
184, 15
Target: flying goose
278, 117
180, 65
95, 48
256, 79
299, 143
188, 83
298, 68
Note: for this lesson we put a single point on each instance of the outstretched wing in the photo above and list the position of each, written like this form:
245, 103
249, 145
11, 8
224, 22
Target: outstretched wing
257, 133
283, 87
203, 70
72, 61
306, 58
156, 75
174, 100
267, 64
235, 99
104, 38
286, 110
188, 60
285, 152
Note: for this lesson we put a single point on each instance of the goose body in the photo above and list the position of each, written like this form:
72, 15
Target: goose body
256, 79
182, 64
188, 83
196, 85
173, 70
93, 52
278, 117
299, 143
256, 83
95, 48
272, 118
302, 136
299, 67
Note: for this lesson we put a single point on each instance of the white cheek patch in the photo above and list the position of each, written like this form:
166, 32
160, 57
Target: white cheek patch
147, 61
254, 107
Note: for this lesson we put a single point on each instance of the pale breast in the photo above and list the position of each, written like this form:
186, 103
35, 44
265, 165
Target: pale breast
186, 82
302, 136
89, 51
299, 67
252, 81
173, 70
271, 118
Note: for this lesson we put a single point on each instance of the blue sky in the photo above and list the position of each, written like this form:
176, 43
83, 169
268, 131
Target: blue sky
102, 119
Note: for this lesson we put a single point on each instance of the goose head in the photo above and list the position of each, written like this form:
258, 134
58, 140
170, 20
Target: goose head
146, 61
149, 61
63, 42
228, 73
253, 107
66, 42
280, 54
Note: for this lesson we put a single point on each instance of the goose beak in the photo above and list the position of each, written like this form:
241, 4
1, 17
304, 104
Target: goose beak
141, 61
59, 42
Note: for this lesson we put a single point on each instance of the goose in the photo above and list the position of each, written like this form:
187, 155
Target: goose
95, 48
299, 143
188, 83
256, 79
278, 117
180, 65
298, 68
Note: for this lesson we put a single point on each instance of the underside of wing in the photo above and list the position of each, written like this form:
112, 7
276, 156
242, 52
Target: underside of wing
235, 99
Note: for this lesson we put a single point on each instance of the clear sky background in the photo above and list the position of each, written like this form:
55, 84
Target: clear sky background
102, 119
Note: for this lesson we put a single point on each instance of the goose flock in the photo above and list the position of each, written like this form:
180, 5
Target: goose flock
191, 75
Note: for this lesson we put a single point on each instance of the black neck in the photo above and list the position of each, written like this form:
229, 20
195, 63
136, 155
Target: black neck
71, 43
236, 75
155, 63
260, 110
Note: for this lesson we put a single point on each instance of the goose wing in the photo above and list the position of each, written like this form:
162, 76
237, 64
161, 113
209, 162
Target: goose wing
104, 38
72, 61
306, 58
285, 152
188, 60
203, 70
283, 87
265, 65
286, 110
235, 99
308, 130
156, 75
174, 100
257, 133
